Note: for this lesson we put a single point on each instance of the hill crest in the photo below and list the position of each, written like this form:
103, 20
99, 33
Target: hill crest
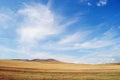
40, 60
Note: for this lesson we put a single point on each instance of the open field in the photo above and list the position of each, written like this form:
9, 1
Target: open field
24, 70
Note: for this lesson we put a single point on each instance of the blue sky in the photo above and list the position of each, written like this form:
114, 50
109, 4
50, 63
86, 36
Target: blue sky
78, 31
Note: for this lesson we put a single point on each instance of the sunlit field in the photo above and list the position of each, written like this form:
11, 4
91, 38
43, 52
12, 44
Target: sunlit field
25, 70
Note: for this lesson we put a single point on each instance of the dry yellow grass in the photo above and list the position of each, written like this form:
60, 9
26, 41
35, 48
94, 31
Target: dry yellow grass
24, 70
66, 66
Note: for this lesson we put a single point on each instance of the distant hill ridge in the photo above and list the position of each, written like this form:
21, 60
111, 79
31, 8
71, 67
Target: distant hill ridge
54, 61
115, 63
40, 60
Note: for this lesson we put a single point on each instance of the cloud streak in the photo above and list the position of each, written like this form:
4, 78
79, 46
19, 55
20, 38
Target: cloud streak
80, 40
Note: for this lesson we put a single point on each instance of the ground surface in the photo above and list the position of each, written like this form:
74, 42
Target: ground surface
25, 70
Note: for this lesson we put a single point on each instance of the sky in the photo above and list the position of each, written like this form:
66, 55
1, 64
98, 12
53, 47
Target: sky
75, 31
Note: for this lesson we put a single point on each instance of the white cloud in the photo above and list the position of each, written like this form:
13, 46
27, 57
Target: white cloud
102, 3
67, 42
100, 56
70, 38
95, 43
78, 41
86, 2
107, 39
109, 34
39, 23
89, 4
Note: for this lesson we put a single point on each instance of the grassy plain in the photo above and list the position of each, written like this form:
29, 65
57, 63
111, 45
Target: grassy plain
25, 70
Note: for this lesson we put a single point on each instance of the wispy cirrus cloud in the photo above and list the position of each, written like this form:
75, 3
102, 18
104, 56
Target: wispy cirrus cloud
73, 38
39, 23
80, 40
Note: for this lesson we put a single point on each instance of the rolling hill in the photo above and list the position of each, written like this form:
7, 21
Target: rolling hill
50, 69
